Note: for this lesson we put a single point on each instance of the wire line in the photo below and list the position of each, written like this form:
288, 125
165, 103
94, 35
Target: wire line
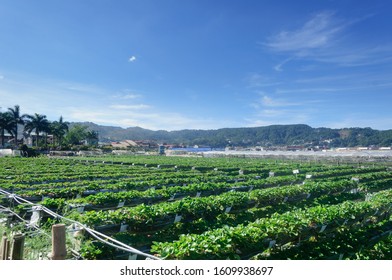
98, 235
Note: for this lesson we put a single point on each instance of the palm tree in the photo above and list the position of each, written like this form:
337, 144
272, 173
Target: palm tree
47, 130
36, 122
59, 128
5, 125
17, 118
92, 137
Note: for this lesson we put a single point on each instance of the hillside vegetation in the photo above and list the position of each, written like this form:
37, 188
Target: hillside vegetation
297, 134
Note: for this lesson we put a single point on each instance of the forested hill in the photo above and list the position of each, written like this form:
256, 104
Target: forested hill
273, 135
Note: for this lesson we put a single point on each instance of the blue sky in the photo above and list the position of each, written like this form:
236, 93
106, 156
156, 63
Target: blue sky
199, 64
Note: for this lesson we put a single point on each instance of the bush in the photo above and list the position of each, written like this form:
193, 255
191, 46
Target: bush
28, 152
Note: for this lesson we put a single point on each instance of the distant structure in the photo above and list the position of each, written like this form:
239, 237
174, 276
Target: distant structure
124, 144
161, 150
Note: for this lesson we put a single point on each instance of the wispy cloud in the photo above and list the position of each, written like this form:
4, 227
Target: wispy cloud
281, 110
46, 96
73, 87
131, 96
355, 120
130, 107
276, 102
127, 96
332, 78
278, 67
354, 56
265, 101
256, 80
350, 88
309, 90
79, 102
350, 83
325, 38
271, 117
144, 118
320, 31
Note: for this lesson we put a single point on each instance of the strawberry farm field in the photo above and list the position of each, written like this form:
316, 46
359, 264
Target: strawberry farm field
209, 208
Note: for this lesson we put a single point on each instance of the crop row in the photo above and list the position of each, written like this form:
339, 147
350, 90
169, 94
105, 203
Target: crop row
379, 182
243, 241
370, 241
25, 168
169, 233
148, 217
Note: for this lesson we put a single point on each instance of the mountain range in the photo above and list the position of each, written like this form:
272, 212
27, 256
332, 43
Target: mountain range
273, 135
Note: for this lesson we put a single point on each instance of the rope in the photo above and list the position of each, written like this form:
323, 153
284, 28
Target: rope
4, 209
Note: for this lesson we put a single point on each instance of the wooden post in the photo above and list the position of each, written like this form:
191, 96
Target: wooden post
59, 251
4, 246
9, 219
17, 247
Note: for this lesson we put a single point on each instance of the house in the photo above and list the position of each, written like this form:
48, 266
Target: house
124, 144
294, 148
146, 143
31, 138
362, 148
8, 140
90, 141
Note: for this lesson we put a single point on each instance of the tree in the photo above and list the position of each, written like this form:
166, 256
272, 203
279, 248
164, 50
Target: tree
76, 134
92, 137
36, 122
5, 125
59, 129
17, 119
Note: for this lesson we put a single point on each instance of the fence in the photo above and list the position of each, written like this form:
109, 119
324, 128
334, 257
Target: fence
58, 236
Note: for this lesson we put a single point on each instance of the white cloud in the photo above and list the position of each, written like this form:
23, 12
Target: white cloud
132, 58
